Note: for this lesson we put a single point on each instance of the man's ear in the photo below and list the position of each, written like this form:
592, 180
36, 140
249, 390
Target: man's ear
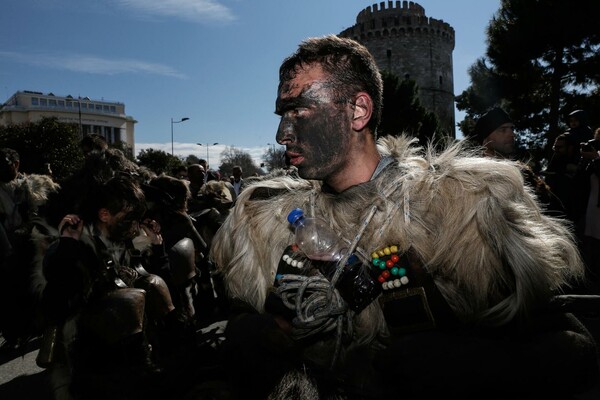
103, 215
363, 109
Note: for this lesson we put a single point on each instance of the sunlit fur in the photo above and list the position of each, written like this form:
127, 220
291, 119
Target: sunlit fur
479, 231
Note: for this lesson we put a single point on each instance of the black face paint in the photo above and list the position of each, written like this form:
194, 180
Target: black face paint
317, 129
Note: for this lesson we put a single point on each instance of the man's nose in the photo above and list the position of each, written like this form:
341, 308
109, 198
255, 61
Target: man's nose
285, 132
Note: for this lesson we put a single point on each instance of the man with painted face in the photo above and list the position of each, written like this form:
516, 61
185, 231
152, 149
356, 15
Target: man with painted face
97, 283
447, 270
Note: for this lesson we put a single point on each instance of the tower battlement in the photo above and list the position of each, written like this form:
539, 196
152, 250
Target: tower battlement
397, 17
407, 7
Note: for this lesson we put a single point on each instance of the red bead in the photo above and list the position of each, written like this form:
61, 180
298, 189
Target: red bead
381, 279
395, 258
385, 274
389, 263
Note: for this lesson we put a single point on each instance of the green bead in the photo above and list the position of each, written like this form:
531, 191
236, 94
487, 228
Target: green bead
394, 271
402, 271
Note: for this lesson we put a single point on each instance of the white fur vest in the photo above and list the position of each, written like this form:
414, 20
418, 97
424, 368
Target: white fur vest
477, 228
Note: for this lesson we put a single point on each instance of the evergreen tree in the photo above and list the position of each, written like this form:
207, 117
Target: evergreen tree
158, 161
542, 62
403, 112
45, 141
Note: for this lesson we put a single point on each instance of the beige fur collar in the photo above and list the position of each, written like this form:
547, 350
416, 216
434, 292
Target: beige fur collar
477, 228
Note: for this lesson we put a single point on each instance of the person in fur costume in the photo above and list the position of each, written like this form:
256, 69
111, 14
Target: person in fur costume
449, 271
23, 199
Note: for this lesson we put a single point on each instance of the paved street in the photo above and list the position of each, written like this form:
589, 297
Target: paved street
20, 377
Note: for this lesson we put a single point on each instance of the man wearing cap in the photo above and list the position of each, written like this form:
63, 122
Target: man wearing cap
495, 131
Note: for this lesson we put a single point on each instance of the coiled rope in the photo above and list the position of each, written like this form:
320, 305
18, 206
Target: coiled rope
318, 304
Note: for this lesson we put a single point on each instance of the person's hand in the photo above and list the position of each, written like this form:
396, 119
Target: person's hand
152, 230
71, 226
589, 155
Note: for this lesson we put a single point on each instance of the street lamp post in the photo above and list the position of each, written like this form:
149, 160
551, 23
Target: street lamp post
70, 101
80, 127
207, 146
175, 122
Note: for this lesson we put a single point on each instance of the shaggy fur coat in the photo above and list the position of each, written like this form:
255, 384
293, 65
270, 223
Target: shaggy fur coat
478, 229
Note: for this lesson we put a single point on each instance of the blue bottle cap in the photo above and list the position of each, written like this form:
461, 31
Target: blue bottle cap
295, 215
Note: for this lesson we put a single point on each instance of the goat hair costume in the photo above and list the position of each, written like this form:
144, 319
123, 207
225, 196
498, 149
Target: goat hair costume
476, 227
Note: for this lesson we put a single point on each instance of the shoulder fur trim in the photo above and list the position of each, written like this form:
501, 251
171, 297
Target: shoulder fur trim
477, 227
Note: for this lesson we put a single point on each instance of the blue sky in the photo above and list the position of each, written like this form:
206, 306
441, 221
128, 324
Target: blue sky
212, 61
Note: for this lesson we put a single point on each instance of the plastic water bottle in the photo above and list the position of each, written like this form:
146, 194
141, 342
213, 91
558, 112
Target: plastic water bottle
318, 242
315, 238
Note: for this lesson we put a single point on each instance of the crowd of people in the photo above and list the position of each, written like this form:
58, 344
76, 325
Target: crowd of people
459, 273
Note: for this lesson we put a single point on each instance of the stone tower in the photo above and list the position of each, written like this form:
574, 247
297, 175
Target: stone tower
409, 44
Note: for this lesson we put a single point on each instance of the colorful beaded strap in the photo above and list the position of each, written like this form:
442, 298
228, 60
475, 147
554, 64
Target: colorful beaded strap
391, 266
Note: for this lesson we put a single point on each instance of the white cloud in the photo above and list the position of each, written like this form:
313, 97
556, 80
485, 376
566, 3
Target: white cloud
192, 10
93, 64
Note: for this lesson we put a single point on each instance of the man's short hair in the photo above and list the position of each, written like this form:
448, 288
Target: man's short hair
175, 192
350, 66
117, 194
93, 141
9, 155
8, 164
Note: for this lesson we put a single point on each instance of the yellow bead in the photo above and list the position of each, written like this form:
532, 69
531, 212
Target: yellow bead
387, 251
394, 249
374, 255
381, 253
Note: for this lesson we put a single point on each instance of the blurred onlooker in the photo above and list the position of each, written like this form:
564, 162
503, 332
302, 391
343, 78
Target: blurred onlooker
212, 175
238, 181
204, 165
590, 161
93, 141
168, 203
23, 199
564, 181
495, 132
181, 172
196, 177
578, 132
21, 196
